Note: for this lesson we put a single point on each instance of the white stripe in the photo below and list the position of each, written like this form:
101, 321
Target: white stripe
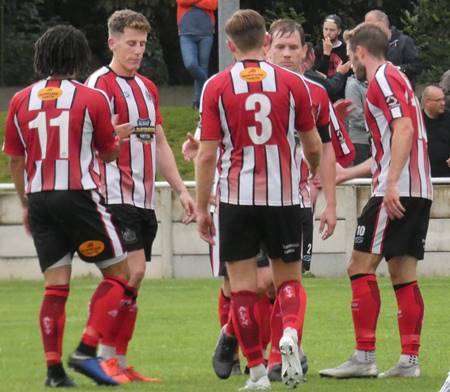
20, 133
246, 177
91, 82
269, 82
203, 91
379, 231
396, 112
110, 228
36, 182
66, 99
274, 184
61, 174
36, 103
148, 99
295, 168
86, 155
113, 190
422, 176
215, 251
226, 156
240, 86
382, 81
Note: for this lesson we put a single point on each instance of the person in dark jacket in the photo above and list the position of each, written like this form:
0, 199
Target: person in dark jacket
402, 50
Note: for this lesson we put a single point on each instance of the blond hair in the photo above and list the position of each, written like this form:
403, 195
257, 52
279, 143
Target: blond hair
121, 19
246, 28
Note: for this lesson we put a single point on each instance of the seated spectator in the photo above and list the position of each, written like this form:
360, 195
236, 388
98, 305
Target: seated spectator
437, 123
196, 22
402, 50
444, 84
356, 91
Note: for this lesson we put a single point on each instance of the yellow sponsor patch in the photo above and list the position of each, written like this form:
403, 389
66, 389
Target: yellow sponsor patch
253, 74
91, 248
49, 93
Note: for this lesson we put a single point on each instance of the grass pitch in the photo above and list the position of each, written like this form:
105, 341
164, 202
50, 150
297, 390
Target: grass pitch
177, 330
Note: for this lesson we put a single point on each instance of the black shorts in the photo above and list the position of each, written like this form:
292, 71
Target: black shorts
65, 222
377, 234
137, 225
243, 229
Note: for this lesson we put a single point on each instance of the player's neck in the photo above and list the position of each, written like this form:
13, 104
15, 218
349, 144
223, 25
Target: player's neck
120, 70
257, 54
372, 65
61, 77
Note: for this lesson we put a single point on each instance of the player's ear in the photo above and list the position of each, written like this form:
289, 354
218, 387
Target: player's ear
231, 46
111, 43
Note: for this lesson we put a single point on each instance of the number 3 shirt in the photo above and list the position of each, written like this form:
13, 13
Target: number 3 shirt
254, 109
57, 125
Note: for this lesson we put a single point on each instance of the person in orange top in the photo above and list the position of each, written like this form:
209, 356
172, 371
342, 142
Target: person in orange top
196, 23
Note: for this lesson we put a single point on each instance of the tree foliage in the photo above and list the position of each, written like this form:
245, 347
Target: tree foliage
428, 23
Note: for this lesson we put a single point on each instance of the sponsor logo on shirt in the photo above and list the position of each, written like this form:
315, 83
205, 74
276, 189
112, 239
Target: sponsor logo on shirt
253, 74
392, 101
49, 93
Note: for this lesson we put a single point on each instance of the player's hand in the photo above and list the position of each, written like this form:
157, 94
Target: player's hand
190, 147
212, 199
343, 107
327, 222
448, 162
344, 68
122, 130
189, 207
26, 223
391, 202
327, 46
205, 227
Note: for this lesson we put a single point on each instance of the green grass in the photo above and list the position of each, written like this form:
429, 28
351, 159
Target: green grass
177, 122
177, 330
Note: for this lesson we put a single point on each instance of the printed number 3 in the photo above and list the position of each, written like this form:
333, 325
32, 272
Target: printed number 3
62, 122
261, 116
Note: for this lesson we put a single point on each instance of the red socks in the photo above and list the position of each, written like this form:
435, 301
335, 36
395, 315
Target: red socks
128, 323
365, 309
289, 298
276, 331
104, 309
51, 319
246, 328
224, 308
263, 313
410, 316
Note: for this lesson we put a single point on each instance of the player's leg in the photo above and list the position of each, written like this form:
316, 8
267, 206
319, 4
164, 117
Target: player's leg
365, 293
283, 239
97, 240
404, 246
138, 227
239, 243
53, 250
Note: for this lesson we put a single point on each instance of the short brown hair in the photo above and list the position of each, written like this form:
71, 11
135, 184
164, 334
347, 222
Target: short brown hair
121, 19
287, 27
369, 36
246, 28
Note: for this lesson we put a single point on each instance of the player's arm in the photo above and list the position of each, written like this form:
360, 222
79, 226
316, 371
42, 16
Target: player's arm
402, 137
17, 170
312, 148
204, 176
348, 173
165, 161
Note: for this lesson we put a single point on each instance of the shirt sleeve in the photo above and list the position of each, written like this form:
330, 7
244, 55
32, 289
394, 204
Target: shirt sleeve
13, 144
304, 120
209, 124
104, 139
393, 96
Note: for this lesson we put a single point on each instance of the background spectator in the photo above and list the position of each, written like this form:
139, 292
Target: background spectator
356, 91
196, 23
332, 51
402, 50
437, 123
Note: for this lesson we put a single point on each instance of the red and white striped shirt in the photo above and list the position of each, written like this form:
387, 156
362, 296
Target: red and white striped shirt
254, 108
57, 125
391, 96
131, 178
